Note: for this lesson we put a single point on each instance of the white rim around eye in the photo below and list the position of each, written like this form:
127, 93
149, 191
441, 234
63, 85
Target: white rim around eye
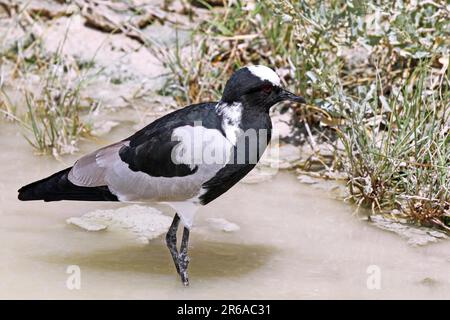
265, 73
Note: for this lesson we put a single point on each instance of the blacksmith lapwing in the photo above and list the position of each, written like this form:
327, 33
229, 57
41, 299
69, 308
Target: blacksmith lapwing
186, 158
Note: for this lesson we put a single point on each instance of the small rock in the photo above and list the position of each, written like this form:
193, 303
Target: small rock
415, 236
281, 157
223, 225
142, 223
86, 224
306, 179
259, 174
103, 127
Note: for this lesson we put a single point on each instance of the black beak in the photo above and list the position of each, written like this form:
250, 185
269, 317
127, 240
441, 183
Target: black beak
286, 95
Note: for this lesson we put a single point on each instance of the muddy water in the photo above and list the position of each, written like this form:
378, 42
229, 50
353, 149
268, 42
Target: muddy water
294, 242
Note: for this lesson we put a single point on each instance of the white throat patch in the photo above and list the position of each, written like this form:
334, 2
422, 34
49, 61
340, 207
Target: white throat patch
232, 114
265, 73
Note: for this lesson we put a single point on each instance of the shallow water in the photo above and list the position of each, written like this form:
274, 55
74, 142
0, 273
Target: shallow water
294, 242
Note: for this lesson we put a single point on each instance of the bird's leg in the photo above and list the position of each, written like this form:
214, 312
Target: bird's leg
183, 257
171, 241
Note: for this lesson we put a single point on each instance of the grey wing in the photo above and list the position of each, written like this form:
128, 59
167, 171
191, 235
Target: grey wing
106, 167
91, 170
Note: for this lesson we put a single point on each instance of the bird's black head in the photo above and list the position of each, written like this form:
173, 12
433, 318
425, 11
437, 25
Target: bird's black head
257, 86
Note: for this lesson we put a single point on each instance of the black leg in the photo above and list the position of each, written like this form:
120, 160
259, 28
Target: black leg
171, 240
183, 257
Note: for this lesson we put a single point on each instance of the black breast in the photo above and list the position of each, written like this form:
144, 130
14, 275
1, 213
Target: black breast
248, 150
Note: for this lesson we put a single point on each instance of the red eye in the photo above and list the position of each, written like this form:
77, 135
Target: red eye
267, 88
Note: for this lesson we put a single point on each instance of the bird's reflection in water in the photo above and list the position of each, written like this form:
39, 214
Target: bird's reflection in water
209, 259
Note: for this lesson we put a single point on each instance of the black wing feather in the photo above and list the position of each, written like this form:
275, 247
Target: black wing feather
58, 187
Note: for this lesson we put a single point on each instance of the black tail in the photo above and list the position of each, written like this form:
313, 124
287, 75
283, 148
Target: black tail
58, 187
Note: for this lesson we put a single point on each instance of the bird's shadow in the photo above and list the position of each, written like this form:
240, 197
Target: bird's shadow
209, 259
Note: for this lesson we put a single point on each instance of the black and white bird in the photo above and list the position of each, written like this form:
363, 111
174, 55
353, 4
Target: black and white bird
186, 158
